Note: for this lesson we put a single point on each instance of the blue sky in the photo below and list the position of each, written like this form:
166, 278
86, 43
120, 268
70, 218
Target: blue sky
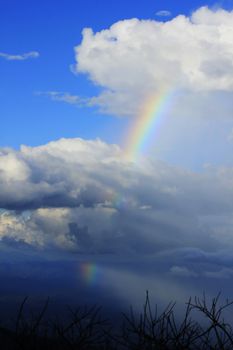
53, 29
72, 98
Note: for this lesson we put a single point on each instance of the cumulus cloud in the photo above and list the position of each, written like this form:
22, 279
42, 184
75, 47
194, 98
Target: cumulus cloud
134, 59
20, 57
148, 224
82, 195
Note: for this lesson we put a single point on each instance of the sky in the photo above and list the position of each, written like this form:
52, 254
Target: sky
116, 146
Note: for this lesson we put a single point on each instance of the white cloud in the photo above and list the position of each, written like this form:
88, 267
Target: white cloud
12, 168
134, 59
163, 13
20, 57
63, 97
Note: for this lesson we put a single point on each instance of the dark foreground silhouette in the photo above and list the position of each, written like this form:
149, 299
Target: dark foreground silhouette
87, 329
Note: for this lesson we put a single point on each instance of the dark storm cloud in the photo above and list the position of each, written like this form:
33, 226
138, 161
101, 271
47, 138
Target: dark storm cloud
84, 196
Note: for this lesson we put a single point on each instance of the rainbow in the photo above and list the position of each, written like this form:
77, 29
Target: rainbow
147, 123
120, 201
89, 272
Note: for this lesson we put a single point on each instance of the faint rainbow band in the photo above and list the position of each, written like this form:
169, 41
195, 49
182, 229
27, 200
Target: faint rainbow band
147, 124
89, 272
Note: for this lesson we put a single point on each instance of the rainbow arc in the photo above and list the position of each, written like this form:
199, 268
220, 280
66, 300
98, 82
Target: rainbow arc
148, 122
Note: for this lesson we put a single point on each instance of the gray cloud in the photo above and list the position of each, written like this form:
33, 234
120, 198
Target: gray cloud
84, 196
182, 271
